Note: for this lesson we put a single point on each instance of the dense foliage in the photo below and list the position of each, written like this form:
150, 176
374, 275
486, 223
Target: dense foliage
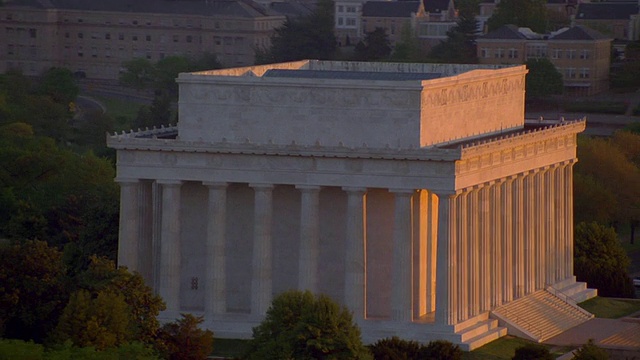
309, 37
532, 352
522, 13
300, 325
590, 351
601, 261
543, 79
374, 47
184, 340
397, 349
459, 47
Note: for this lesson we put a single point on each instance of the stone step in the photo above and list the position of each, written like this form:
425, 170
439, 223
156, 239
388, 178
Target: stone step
484, 338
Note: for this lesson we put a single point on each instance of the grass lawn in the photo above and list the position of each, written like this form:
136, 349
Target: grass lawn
122, 111
610, 308
229, 347
503, 348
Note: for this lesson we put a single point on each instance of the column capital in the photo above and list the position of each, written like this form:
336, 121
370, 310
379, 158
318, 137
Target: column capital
308, 188
402, 191
215, 184
354, 189
166, 182
261, 186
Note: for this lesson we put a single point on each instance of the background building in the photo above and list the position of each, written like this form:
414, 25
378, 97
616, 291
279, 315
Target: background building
94, 38
414, 194
581, 55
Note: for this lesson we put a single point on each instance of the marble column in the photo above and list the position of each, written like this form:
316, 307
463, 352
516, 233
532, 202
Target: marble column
462, 214
309, 237
170, 250
496, 258
129, 236
355, 255
432, 249
530, 231
520, 250
402, 287
474, 252
539, 225
262, 266
568, 183
215, 287
560, 247
446, 295
483, 247
550, 226
509, 239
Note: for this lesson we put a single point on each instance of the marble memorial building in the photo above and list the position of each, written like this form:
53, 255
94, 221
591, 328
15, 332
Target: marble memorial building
414, 194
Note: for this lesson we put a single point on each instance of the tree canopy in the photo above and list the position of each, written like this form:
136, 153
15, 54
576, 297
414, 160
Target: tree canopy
459, 47
374, 46
309, 37
299, 325
601, 261
543, 79
522, 13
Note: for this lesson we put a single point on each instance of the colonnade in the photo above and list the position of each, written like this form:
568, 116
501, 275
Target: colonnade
508, 238
493, 242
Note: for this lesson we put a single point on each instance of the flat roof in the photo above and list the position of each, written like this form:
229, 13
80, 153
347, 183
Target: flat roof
350, 75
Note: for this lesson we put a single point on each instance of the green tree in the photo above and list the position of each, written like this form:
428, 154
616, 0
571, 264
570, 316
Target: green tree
459, 47
408, 49
523, 13
600, 260
374, 46
441, 350
543, 79
309, 37
59, 85
138, 73
33, 290
299, 325
395, 348
590, 351
532, 352
184, 340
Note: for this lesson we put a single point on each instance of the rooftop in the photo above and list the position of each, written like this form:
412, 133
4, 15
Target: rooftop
606, 10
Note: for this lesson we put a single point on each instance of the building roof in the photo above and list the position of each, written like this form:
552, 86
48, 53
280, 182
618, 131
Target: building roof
237, 8
606, 11
291, 8
389, 8
505, 32
436, 6
580, 33
350, 75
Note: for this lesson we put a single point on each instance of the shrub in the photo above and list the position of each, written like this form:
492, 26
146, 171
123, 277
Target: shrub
441, 350
532, 352
184, 340
299, 325
395, 349
591, 352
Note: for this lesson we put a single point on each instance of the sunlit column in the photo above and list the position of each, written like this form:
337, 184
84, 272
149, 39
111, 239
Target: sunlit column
432, 246
539, 225
529, 224
509, 240
215, 288
550, 226
262, 269
309, 237
568, 182
402, 294
170, 251
462, 213
483, 246
446, 296
496, 258
474, 252
559, 201
520, 250
355, 255
129, 236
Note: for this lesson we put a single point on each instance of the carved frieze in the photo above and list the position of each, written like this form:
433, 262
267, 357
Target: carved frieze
452, 95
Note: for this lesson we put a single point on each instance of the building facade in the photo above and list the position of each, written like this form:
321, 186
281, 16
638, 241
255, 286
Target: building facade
414, 194
93, 39
581, 55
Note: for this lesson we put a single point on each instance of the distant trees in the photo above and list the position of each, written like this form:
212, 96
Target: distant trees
309, 37
523, 13
601, 261
590, 351
184, 340
459, 47
300, 325
543, 79
533, 352
397, 349
408, 48
374, 46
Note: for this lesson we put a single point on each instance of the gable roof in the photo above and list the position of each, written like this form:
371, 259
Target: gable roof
580, 33
504, 32
606, 11
436, 6
389, 8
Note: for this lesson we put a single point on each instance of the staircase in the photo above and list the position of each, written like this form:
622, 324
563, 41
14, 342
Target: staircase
540, 316
478, 331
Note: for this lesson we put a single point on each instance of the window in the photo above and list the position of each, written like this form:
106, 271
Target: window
80, 20
484, 53
135, 22
80, 51
121, 36
217, 40
94, 35
571, 54
189, 38
33, 33
513, 53
163, 39
148, 37
10, 49
340, 21
227, 40
94, 52
107, 52
351, 22
148, 23
33, 52
570, 73
176, 38
340, 8
66, 35
536, 51
194, 283
499, 53
584, 73
557, 54
148, 55
80, 35
107, 36
134, 37
351, 9
585, 54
